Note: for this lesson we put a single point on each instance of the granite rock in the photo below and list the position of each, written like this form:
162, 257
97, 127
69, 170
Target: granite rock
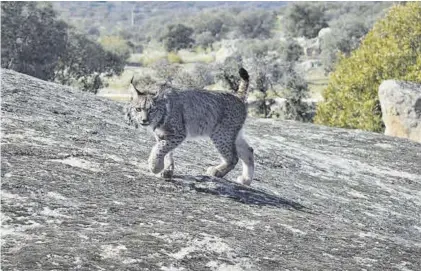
76, 194
401, 108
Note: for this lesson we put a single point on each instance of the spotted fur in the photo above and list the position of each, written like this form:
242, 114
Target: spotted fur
175, 115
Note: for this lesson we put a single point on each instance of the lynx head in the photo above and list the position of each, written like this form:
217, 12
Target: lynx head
146, 108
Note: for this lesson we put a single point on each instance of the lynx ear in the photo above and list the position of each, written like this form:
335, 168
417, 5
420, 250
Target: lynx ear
134, 89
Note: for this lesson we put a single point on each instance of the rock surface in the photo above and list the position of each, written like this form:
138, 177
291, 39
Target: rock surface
401, 108
76, 194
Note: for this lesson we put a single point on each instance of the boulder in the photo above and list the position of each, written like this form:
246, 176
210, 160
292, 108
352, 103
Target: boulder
401, 108
76, 194
323, 32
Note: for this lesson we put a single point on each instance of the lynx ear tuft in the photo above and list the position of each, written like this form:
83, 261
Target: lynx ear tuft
137, 92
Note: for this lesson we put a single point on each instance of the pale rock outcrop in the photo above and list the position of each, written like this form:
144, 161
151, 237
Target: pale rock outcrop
323, 32
401, 108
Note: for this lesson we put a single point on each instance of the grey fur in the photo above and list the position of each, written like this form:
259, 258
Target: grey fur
175, 115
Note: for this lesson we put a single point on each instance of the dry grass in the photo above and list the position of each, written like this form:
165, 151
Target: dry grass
317, 82
196, 57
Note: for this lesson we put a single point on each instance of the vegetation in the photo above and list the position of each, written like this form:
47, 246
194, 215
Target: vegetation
273, 74
116, 45
348, 29
36, 43
178, 37
204, 43
391, 50
305, 19
255, 25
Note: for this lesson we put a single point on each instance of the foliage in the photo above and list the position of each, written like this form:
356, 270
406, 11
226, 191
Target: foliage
211, 23
199, 78
290, 50
295, 90
205, 39
84, 62
178, 37
287, 50
391, 50
165, 71
304, 19
255, 24
268, 73
227, 72
34, 42
293, 87
116, 45
174, 58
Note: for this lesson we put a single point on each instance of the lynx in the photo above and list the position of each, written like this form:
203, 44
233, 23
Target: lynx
175, 115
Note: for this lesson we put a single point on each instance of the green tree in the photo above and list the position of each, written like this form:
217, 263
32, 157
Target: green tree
304, 19
255, 24
391, 50
178, 37
32, 40
36, 43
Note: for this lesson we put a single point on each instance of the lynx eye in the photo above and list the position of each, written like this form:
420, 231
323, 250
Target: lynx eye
138, 109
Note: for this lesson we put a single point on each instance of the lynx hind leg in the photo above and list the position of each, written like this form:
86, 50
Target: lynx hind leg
168, 166
245, 153
160, 150
225, 144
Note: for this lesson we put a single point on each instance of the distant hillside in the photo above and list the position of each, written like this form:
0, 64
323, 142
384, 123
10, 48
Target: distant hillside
118, 14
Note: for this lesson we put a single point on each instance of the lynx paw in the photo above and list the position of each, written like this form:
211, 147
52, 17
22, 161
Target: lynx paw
167, 174
213, 171
243, 180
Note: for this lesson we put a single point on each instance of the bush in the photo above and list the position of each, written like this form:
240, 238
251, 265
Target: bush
178, 37
255, 24
391, 50
291, 51
304, 19
174, 58
116, 45
199, 78
165, 71
85, 62
205, 39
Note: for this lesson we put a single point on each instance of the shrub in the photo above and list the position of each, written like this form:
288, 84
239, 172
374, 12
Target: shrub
255, 24
391, 50
199, 78
174, 58
178, 37
165, 71
205, 39
116, 45
304, 19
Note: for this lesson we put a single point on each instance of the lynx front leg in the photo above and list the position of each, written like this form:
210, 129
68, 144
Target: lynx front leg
160, 150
